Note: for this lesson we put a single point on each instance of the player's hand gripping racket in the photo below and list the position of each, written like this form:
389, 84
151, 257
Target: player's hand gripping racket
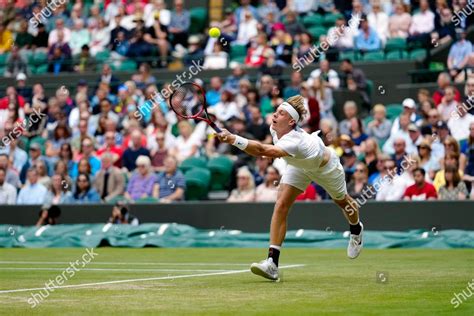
188, 97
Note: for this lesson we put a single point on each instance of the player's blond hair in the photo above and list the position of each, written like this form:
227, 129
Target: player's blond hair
297, 102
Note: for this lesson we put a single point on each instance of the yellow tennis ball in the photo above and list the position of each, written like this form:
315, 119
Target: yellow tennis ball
214, 32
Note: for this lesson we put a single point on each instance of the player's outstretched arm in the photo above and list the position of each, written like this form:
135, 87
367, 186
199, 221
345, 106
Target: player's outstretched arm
251, 147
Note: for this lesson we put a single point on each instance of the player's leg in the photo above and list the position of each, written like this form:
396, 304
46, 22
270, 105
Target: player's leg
293, 183
332, 178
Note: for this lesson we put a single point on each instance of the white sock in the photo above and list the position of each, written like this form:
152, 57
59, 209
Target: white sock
275, 247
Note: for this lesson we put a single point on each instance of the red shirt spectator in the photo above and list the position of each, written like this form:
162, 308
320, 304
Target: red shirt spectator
11, 97
308, 195
421, 190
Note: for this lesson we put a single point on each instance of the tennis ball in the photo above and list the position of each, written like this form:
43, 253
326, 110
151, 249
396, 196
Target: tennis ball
214, 32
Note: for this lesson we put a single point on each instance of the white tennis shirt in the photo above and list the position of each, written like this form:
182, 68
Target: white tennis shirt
306, 151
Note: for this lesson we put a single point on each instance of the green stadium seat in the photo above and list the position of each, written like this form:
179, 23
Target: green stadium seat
198, 20
116, 199
317, 31
192, 162
127, 65
394, 110
102, 56
221, 169
370, 87
330, 19
313, 20
41, 69
240, 59
418, 54
396, 44
396, 55
367, 120
197, 183
373, 56
347, 55
40, 58
4, 58
238, 51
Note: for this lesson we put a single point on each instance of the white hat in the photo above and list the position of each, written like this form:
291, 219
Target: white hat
20, 76
409, 103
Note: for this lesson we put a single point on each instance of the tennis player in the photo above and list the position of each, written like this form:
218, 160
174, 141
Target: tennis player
308, 159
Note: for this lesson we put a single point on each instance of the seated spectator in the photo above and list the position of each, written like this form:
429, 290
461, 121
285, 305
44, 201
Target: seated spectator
112, 148
303, 52
43, 171
80, 37
40, 40
59, 56
180, 22
452, 146
450, 159
109, 181
7, 191
448, 104
15, 63
226, 108
403, 134
409, 109
87, 153
257, 126
142, 182
84, 192
100, 36
459, 54
6, 39
247, 29
309, 194
444, 81
282, 44
455, 188
11, 175
356, 132
135, 150
427, 161
371, 153
35, 156
380, 127
171, 183
61, 135
353, 79
399, 22
121, 215
186, 145
48, 215
293, 26
323, 96
268, 190
329, 76
245, 191
259, 51
59, 191
344, 34
32, 192
84, 62
421, 190
359, 187
350, 112
160, 153
368, 39
218, 59
422, 24
349, 161
213, 94
459, 122
391, 187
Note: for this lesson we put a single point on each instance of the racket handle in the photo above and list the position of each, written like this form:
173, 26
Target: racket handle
214, 126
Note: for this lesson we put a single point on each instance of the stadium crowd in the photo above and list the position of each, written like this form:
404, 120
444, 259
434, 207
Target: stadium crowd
103, 142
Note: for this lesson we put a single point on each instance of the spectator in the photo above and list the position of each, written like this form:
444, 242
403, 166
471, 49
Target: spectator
218, 59
356, 132
409, 109
226, 108
353, 79
109, 181
43, 171
324, 98
329, 76
378, 21
282, 44
61, 169
121, 215
213, 95
160, 153
452, 146
61, 135
32, 192
455, 188
371, 153
34, 156
59, 34
135, 150
16, 64
171, 184
142, 182
444, 81
84, 62
380, 127
48, 215
7, 191
459, 54
303, 51
180, 22
12, 177
350, 112
293, 26
100, 36
80, 36
309, 194
367, 40
392, 186
349, 161
6, 39
268, 190
358, 187
448, 103
421, 190
257, 126
427, 161
459, 122
59, 192
59, 56
110, 147
40, 40
399, 22
403, 133
109, 78
186, 145
422, 24
84, 192
344, 34
259, 51
245, 191
450, 159
87, 153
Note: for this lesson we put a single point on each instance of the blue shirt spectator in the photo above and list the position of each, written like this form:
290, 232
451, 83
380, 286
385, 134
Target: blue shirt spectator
459, 53
367, 40
171, 182
85, 193
33, 192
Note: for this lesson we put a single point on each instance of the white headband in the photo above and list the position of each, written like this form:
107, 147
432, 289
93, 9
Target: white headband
291, 110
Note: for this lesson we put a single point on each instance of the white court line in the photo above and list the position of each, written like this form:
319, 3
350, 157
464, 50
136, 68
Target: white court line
143, 279
133, 263
117, 269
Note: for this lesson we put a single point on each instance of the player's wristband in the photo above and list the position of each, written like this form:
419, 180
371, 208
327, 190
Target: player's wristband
240, 142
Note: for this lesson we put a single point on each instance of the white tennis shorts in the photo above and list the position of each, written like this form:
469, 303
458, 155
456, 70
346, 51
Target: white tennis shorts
331, 177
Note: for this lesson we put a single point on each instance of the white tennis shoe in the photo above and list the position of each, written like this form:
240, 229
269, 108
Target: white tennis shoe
355, 244
265, 268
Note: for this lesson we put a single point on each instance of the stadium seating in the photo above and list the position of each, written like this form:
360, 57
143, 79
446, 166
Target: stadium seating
221, 169
197, 183
192, 162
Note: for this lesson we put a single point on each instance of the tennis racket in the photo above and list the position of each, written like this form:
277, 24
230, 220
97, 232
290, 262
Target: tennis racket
189, 101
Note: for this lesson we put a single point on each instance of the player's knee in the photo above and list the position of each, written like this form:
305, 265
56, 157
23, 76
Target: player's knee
282, 206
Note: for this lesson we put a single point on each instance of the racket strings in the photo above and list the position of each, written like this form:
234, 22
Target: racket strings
187, 100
